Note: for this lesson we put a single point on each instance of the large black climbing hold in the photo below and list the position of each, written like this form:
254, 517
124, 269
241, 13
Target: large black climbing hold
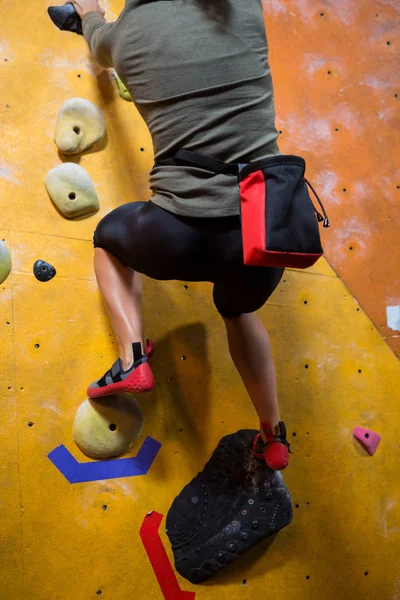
43, 270
239, 502
66, 18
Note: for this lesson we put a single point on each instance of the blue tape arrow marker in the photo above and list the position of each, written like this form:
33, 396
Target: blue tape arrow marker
76, 472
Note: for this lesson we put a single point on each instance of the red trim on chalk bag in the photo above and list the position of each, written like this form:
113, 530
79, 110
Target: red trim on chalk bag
291, 260
253, 206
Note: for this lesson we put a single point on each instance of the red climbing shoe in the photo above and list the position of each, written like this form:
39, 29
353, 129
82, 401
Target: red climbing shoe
276, 450
136, 380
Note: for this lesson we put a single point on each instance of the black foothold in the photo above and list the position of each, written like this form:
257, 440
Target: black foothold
66, 18
43, 270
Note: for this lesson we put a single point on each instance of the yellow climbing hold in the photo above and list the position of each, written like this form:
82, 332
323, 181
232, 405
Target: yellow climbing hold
122, 89
5, 262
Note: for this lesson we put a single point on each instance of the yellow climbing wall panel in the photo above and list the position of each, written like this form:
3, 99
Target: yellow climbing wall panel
80, 541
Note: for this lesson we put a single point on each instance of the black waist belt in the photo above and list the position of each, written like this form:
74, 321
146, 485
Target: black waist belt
185, 158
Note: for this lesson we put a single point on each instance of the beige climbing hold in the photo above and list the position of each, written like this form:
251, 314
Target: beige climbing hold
5, 262
107, 428
72, 190
79, 126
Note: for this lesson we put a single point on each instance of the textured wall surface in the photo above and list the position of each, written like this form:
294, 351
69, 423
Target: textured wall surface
64, 541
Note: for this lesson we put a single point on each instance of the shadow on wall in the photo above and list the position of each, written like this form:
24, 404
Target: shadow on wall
127, 157
180, 403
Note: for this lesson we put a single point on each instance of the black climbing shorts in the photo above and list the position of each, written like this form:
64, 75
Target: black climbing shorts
165, 246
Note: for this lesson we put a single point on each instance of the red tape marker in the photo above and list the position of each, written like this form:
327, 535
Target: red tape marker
159, 559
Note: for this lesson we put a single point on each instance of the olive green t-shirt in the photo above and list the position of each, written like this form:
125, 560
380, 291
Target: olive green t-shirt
199, 85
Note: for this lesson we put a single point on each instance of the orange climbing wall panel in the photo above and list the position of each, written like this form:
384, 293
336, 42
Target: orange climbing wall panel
81, 541
335, 66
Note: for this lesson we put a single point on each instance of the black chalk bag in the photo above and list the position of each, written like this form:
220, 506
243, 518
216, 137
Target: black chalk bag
280, 225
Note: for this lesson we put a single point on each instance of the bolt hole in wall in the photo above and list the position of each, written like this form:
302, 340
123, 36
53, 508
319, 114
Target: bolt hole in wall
307, 576
77, 130
37, 345
99, 592
244, 582
112, 427
183, 357
104, 507
30, 424
72, 196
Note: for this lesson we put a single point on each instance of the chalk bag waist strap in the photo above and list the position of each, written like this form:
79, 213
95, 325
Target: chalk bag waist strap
279, 221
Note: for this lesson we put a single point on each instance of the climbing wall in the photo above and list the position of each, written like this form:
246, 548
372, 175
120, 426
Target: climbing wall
63, 536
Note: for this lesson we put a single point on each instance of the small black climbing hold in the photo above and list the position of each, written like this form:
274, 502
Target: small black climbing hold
232, 547
255, 524
43, 271
66, 18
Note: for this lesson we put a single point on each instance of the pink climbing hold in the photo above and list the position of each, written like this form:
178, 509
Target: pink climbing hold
368, 439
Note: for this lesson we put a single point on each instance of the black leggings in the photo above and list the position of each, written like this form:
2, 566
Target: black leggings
166, 246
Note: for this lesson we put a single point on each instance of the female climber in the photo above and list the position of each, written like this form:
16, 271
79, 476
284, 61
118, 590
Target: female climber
198, 73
